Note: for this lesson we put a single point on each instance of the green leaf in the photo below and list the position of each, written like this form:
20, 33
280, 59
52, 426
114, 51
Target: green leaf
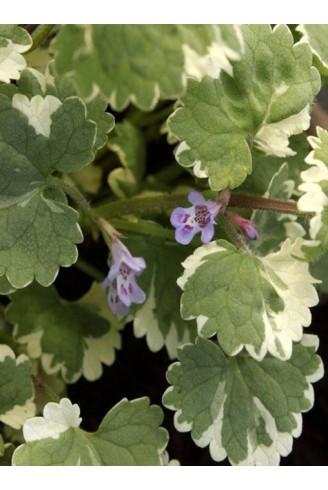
16, 388
245, 410
274, 227
5, 458
129, 435
2, 446
315, 197
37, 137
136, 63
5, 286
256, 303
266, 100
159, 317
319, 271
129, 144
264, 167
13, 42
316, 36
33, 83
74, 338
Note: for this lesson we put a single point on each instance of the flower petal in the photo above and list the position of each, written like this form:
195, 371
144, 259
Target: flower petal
207, 233
213, 208
180, 216
115, 303
112, 274
137, 295
185, 234
196, 198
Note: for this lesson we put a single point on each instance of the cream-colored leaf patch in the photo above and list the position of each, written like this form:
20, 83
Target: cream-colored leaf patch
38, 110
57, 418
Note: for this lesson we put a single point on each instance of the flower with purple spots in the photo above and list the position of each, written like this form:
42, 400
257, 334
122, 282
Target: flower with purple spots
198, 218
123, 288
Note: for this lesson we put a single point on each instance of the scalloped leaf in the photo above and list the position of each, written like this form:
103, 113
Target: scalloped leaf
158, 318
137, 63
39, 229
16, 388
130, 434
315, 197
244, 410
266, 100
33, 83
256, 303
75, 338
129, 145
13, 41
316, 35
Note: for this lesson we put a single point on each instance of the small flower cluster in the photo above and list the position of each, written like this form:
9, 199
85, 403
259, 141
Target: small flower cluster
200, 217
123, 288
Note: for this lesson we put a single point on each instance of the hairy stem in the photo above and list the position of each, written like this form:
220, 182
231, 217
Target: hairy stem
160, 202
264, 204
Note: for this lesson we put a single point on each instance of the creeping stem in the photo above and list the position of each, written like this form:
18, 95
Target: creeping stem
158, 202
40, 34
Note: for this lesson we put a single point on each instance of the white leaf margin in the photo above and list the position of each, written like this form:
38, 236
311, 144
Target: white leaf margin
11, 60
258, 454
273, 138
146, 324
97, 351
314, 200
18, 414
218, 57
288, 273
305, 38
57, 418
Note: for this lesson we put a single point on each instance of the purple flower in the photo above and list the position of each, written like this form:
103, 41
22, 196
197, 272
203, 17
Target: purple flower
199, 217
123, 288
246, 226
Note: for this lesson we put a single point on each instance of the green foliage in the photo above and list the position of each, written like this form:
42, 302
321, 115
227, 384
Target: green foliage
248, 301
244, 410
13, 41
315, 197
237, 100
316, 36
130, 434
71, 337
128, 142
132, 63
276, 226
40, 229
266, 100
159, 317
16, 388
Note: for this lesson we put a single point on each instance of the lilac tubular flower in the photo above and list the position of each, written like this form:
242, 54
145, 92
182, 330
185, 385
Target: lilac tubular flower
123, 288
199, 217
246, 226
